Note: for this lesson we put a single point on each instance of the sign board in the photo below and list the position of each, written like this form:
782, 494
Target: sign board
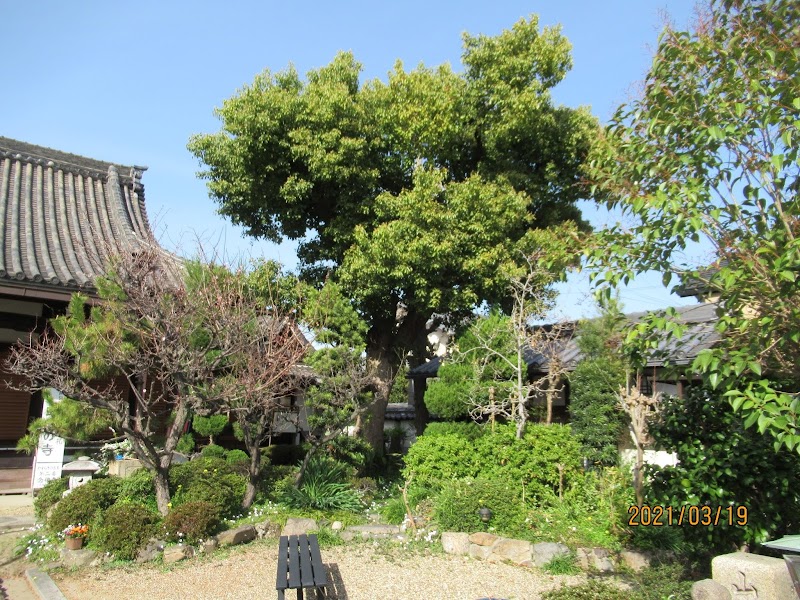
49, 453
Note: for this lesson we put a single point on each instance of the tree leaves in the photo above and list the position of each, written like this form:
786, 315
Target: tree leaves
710, 153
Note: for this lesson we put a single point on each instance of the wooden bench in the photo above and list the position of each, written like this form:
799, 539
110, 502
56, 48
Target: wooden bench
300, 566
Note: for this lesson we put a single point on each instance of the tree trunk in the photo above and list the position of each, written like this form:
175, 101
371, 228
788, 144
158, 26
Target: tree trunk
638, 484
253, 475
161, 481
174, 432
385, 366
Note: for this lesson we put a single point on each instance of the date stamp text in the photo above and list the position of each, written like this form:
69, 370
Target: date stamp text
691, 515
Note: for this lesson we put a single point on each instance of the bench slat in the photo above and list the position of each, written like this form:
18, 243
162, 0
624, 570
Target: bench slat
294, 563
320, 576
281, 582
306, 568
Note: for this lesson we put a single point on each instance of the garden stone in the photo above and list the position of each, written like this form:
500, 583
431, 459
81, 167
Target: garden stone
741, 572
455, 543
708, 589
347, 535
602, 561
337, 525
173, 554
267, 529
209, 545
482, 538
295, 526
480, 552
77, 558
544, 552
516, 551
595, 558
101, 559
234, 537
150, 551
635, 561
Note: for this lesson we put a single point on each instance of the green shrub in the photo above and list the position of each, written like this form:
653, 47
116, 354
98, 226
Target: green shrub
123, 529
447, 396
595, 416
324, 487
593, 511
394, 510
563, 564
663, 581
49, 495
185, 444
594, 589
456, 506
213, 451
191, 522
83, 502
208, 480
723, 464
239, 460
274, 481
353, 451
532, 461
139, 487
210, 426
435, 459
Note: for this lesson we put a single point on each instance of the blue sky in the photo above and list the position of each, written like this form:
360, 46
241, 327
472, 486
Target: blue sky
131, 82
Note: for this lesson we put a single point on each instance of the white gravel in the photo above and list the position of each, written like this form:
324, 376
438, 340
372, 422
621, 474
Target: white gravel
359, 572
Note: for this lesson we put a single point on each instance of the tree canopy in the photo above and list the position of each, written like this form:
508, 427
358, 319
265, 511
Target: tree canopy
710, 153
416, 190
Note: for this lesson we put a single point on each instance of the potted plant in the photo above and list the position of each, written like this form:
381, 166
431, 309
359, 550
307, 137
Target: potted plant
74, 535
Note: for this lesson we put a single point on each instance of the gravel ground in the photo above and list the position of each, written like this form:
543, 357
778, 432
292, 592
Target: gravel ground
358, 571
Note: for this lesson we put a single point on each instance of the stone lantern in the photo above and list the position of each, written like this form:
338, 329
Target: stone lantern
80, 471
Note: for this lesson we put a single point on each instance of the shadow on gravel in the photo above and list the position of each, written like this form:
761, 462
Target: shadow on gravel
335, 589
3, 591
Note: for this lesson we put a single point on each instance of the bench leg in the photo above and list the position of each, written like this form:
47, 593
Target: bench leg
280, 595
320, 593
299, 593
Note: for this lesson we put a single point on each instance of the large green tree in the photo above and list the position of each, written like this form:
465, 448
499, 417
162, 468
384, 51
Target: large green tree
710, 153
416, 192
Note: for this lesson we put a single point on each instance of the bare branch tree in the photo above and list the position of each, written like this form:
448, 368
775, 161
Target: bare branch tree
166, 334
640, 408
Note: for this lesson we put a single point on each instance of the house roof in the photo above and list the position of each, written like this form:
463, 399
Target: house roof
700, 334
62, 216
701, 284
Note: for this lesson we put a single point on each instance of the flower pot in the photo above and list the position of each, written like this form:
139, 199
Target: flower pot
74, 543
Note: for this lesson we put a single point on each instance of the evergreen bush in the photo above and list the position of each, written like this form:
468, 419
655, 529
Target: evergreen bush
51, 493
83, 502
213, 451
191, 522
139, 487
546, 458
123, 529
456, 506
209, 480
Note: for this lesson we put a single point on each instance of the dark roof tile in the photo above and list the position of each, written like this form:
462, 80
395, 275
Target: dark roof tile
63, 215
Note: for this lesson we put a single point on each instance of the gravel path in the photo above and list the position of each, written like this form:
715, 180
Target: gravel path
359, 572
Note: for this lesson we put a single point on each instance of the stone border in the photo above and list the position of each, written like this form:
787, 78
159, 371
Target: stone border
42, 585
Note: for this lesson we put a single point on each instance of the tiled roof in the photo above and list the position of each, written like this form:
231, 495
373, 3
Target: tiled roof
700, 334
702, 283
62, 216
